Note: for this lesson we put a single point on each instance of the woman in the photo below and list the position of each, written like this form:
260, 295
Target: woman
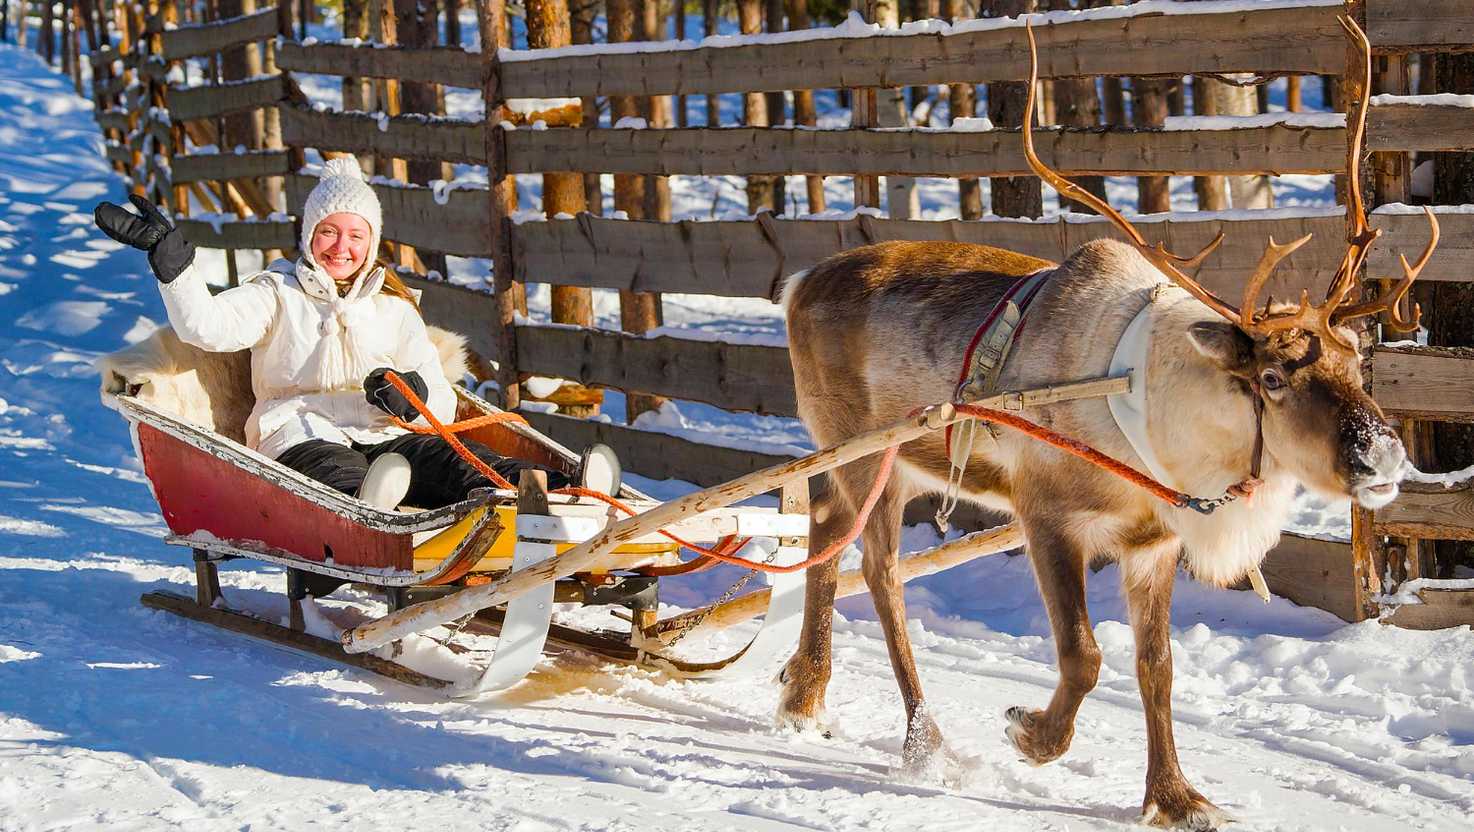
323, 333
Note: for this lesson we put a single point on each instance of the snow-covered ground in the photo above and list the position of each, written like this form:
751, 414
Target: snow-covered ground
116, 717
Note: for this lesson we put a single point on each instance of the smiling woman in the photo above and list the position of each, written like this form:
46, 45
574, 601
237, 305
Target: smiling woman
324, 334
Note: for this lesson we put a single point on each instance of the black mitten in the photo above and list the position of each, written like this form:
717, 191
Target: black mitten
382, 393
169, 254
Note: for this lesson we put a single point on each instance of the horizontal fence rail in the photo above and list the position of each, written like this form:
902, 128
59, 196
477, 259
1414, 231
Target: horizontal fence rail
206, 38
1419, 25
438, 65
1300, 40
429, 138
187, 103
920, 152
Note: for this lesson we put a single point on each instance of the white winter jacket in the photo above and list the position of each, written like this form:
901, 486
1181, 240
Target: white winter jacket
310, 350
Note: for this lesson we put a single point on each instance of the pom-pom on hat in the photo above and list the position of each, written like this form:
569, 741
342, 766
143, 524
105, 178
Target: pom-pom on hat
342, 189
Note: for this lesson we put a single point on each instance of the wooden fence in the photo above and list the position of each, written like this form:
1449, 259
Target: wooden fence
749, 258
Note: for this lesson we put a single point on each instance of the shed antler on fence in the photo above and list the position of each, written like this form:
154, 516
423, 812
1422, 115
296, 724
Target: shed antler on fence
1304, 315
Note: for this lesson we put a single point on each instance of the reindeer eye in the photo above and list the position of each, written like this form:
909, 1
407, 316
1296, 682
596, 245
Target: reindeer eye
1272, 379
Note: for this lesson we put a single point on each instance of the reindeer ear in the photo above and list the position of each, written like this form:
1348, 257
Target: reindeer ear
1223, 343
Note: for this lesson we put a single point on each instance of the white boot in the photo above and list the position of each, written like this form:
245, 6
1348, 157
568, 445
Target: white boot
599, 470
386, 482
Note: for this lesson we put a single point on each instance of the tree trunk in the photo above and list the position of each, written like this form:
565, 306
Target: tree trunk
548, 27
1149, 109
1013, 196
453, 22
709, 20
581, 22
638, 311
755, 111
962, 102
1211, 191
1077, 104
678, 12
237, 64
1451, 323
804, 113
777, 102
656, 112
358, 93
46, 42
891, 111
1244, 191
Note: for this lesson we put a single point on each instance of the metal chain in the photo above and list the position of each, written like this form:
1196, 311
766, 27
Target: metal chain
725, 597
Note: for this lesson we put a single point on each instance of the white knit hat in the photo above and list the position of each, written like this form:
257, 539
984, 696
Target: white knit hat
342, 189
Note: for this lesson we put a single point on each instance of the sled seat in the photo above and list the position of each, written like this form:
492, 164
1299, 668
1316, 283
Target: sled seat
217, 493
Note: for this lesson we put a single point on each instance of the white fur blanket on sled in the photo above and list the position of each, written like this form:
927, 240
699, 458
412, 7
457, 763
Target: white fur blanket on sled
213, 389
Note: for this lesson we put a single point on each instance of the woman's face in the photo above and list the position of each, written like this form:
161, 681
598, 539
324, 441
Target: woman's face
340, 244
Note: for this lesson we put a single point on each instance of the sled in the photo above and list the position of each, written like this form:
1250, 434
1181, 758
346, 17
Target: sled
224, 501
498, 562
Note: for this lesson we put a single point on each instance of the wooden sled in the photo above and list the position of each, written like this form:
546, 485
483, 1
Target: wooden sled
225, 501
495, 563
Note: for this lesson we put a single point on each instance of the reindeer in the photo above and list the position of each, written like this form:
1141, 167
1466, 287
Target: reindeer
880, 330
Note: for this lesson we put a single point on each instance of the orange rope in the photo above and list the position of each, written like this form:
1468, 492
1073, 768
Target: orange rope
725, 552
1100, 460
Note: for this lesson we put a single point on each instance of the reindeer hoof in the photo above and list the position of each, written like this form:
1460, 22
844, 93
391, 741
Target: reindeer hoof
1191, 812
1026, 733
926, 758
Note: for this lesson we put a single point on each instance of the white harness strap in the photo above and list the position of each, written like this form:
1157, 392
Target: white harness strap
1129, 409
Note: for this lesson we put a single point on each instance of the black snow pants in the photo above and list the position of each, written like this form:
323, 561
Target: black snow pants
438, 476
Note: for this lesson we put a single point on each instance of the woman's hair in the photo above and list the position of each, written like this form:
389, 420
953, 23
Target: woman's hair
392, 284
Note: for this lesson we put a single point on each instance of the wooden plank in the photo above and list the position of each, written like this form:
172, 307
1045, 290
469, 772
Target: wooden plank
731, 376
206, 38
750, 258
102, 57
440, 65
408, 136
1429, 511
110, 88
1407, 233
1441, 609
119, 153
1404, 127
1420, 25
655, 455
183, 606
1276, 149
1313, 573
1299, 40
1425, 382
456, 224
155, 69
187, 103
113, 120
215, 167
460, 310
239, 234
662, 456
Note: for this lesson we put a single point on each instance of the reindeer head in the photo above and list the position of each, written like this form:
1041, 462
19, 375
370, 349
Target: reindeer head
1299, 361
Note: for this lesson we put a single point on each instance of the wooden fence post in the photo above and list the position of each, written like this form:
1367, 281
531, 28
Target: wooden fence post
502, 190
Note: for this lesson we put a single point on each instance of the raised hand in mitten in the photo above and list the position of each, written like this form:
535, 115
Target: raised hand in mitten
169, 254
381, 393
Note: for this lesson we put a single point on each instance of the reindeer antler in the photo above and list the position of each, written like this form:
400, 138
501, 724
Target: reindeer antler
1304, 316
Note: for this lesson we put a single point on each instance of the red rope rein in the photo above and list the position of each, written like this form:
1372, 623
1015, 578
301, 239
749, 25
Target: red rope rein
726, 551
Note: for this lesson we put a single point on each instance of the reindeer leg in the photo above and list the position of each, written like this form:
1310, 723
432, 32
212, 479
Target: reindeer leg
1170, 801
1059, 568
806, 675
882, 539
